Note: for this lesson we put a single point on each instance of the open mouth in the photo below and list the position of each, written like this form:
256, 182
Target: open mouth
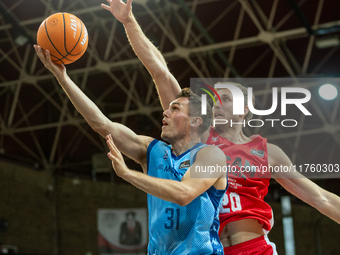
164, 123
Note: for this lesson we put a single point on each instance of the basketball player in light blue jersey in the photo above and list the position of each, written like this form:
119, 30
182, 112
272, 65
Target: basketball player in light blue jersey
183, 211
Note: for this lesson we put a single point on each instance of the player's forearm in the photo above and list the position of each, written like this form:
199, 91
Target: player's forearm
91, 113
98, 121
126, 140
169, 190
329, 205
166, 85
151, 58
325, 202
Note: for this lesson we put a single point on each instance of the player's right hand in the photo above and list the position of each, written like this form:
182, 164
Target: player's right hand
57, 70
116, 157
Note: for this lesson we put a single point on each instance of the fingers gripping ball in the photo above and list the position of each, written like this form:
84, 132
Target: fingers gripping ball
65, 36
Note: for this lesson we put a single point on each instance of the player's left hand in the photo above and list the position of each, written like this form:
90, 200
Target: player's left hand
119, 9
116, 157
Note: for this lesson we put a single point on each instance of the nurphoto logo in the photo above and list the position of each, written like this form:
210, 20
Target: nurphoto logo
204, 97
238, 104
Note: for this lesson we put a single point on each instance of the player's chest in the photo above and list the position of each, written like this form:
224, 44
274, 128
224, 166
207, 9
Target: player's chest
246, 162
169, 167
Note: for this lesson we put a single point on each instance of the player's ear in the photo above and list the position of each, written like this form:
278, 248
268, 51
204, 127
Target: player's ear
246, 110
195, 121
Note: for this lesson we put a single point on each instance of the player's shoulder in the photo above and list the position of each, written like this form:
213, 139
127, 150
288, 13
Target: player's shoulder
273, 149
211, 151
147, 139
150, 142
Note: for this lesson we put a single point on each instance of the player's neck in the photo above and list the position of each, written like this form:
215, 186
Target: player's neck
234, 134
182, 145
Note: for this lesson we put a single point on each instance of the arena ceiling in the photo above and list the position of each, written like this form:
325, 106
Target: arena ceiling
247, 39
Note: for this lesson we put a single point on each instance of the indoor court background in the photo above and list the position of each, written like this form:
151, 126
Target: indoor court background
50, 183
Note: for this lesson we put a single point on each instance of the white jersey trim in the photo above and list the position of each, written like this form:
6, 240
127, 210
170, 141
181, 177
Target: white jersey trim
271, 244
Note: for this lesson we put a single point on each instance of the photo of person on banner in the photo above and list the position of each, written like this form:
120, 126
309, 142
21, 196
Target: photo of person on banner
122, 230
130, 230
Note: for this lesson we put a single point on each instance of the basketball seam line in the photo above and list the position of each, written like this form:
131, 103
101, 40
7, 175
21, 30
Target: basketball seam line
52, 42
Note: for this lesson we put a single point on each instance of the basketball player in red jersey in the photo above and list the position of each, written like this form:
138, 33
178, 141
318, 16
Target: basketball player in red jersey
245, 217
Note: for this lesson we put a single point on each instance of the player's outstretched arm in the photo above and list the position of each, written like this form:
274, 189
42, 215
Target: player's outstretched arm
166, 84
128, 142
324, 201
181, 193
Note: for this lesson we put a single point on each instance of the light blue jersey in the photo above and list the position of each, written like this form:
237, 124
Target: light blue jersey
181, 230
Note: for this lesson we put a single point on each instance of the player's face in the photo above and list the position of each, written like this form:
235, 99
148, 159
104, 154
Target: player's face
225, 111
130, 218
176, 121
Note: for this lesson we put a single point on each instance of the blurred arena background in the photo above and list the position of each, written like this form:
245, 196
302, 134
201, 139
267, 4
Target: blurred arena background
54, 174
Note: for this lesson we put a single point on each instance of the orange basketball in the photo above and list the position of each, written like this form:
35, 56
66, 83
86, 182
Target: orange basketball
65, 36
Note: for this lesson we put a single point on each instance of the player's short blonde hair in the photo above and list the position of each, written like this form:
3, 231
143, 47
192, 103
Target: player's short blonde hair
244, 90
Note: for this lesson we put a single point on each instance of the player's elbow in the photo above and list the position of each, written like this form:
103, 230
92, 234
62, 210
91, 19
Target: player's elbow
183, 198
159, 73
322, 203
328, 205
183, 201
100, 127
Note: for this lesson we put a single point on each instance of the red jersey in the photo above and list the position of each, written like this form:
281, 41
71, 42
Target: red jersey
248, 180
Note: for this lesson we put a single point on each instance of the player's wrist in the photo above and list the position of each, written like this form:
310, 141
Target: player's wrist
62, 78
130, 19
126, 174
132, 176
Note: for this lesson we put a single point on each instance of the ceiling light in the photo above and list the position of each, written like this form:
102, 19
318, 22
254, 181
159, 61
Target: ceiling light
21, 40
327, 42
328, 91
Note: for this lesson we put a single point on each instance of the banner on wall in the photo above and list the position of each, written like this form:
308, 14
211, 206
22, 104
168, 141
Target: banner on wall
122, 231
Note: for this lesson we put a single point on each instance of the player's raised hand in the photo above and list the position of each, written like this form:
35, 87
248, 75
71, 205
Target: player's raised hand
119, 9
116, 157
57, 70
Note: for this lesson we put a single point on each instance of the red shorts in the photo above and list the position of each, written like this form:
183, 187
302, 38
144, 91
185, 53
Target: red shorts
256, 246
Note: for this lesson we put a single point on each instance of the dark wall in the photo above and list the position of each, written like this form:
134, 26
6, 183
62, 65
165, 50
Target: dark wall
314, 233
25, 204
64, 220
